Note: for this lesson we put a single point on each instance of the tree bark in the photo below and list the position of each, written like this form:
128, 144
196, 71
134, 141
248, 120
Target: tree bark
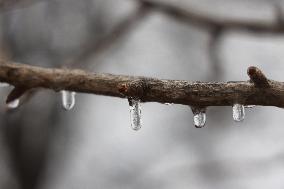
148, 89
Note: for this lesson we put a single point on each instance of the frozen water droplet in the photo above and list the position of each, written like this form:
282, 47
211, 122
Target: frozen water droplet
135, 113
14, 104
68, 99
3, 84
238, 112
199, 116
199, 119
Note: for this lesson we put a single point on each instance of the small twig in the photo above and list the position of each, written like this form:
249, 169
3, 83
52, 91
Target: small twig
16, 93
257, 77
279, 14
208, 21
93, 49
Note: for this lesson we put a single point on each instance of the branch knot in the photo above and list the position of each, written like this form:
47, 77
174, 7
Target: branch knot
257, 77
135, 89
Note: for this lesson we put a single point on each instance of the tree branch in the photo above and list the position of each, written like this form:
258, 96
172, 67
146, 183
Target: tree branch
16, 93
208, 21
92, 49
146, 89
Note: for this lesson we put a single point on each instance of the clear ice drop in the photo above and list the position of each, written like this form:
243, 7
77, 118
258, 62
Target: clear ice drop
14, 104
199, 119
199, 116
238, 112
135, 113
68, 99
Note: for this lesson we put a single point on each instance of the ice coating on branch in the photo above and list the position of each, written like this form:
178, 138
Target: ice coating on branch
68, 99
199, 117
238, 112
135, 113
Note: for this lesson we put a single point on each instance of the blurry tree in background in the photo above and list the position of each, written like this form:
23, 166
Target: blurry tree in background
92, 146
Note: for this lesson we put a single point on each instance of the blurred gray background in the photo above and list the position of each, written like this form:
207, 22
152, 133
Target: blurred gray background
92, 146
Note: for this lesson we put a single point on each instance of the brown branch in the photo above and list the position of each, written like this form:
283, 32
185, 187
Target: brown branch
257, 77
16, 93
146, 89
208, 21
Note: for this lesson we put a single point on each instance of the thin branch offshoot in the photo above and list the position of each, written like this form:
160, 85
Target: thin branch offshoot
200, 94
204, 20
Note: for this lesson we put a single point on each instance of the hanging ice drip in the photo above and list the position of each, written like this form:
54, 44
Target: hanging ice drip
199, 116
238, 112
135, 113
68, 99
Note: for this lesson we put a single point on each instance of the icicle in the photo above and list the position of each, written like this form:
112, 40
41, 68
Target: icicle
3, 84
135, 113
68, 99
199, 117
14, 104
238, 112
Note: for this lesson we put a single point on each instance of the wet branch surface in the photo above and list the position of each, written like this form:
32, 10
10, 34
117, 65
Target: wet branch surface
257, 91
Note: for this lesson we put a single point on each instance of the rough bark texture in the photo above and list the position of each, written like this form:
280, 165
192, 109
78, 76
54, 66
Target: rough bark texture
146, 89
